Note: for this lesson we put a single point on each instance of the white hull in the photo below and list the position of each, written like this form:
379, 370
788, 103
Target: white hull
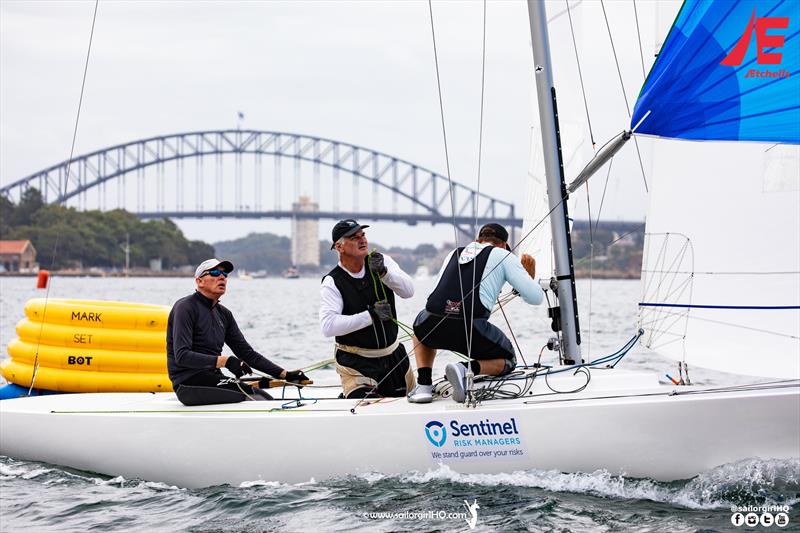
622, 422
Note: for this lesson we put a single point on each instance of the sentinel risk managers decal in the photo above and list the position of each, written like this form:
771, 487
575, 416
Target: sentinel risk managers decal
474, 438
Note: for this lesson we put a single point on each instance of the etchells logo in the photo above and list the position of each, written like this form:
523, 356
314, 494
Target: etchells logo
436, 433
764, 41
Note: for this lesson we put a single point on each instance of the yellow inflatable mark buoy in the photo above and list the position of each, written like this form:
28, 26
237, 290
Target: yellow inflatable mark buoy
85, 337
84, 381
90, 346
98, 314
88, 358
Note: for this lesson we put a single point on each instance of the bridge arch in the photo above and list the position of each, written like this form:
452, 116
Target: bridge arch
426, 191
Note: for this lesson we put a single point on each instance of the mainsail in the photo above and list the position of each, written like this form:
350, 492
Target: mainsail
721, 271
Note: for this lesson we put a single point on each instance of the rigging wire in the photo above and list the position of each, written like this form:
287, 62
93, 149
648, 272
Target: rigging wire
478, 186
467, 335
580, 76
419, 341
591, 267
616, 60
639, 38
510, 330
624, 96
603, 197
497, 386
63, 195
447, 162
441, 106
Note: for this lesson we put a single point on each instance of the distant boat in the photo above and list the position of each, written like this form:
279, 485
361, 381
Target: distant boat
243, 275
291, 273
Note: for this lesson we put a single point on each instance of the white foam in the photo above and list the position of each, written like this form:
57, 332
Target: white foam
259, 483
274, 484
157, 485
119, 480
763, 479
11, 472
35, 472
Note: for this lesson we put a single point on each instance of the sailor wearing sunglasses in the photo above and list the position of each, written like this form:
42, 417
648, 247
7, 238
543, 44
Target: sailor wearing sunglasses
197, 328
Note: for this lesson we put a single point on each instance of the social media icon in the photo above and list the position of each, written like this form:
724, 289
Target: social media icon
751, 519
767, 519
737, 519
781, 519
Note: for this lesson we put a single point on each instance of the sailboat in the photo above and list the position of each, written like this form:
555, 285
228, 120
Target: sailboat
718, 293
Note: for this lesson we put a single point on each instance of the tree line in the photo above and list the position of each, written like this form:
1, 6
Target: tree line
95, 238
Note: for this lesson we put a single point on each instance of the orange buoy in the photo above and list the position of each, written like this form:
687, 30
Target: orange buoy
42, 279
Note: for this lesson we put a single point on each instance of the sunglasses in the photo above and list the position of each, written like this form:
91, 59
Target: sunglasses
215, 273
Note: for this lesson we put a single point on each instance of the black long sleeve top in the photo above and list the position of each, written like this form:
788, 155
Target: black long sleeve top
196, 330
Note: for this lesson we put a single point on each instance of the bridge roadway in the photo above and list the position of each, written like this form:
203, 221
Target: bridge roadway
619, 226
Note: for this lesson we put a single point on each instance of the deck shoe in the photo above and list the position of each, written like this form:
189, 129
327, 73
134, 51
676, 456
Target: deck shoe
456, 374
421, 394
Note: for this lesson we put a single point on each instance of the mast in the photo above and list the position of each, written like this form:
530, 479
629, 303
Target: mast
556, 186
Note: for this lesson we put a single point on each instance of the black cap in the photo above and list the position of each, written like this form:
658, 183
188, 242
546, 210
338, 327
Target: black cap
345, 228
493, 229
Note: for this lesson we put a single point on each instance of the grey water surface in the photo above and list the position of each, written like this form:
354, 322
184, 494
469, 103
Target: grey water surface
279, 318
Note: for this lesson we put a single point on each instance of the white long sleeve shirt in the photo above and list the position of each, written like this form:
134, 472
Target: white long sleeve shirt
331, 320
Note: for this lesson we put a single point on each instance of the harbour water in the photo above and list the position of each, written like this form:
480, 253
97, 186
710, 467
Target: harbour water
279, 318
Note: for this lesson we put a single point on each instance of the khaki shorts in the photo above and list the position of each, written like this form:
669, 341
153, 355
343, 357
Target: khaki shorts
390, 374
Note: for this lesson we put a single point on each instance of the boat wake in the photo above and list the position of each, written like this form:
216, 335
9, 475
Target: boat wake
11, 469
747, 482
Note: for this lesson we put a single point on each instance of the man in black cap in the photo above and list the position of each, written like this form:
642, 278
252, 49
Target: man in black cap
357, 307
454, 309
197, 327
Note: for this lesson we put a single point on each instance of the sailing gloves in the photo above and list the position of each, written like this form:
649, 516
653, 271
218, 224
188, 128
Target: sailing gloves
376, 264
237, 367
296, 376
380, 311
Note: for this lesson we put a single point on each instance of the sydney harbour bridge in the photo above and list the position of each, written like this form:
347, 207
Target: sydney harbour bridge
261, 174
244, 174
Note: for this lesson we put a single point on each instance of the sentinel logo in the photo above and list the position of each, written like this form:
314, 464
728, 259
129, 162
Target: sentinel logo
436, 433
760, 25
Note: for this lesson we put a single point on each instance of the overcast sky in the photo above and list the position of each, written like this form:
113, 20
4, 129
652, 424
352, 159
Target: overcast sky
358, 72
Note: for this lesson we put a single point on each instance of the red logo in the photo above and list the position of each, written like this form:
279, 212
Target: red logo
763, 41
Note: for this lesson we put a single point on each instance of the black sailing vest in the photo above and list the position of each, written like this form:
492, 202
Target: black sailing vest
357, 294
446, 297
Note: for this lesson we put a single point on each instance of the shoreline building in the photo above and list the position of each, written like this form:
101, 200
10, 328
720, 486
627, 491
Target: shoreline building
305, 234
17, 256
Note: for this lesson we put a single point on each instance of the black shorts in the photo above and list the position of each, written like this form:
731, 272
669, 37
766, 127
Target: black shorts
488, 342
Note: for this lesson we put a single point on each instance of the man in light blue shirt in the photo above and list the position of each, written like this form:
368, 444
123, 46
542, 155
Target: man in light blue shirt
453, 312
